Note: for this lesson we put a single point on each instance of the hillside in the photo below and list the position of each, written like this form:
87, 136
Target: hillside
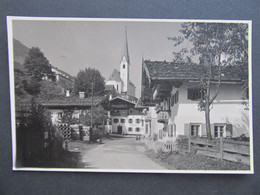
20, 51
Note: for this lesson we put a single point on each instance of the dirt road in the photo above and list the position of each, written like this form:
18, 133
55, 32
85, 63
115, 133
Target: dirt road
119, 153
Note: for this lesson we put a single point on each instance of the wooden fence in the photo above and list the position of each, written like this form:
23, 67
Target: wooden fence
160, 146
237, 151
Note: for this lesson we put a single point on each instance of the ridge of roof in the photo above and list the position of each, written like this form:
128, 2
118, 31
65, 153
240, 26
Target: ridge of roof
72, 101
162, 70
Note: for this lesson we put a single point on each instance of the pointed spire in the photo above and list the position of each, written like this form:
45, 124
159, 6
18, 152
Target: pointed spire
126, 53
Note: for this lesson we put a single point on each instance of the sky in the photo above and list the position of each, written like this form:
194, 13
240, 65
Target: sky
75, 45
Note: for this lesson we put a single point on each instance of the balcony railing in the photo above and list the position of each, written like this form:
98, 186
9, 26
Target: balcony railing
163, 116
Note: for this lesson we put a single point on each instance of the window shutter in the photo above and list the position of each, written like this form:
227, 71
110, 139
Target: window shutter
168, 103
189, 94
187, 129
176, 97
229, 130
174, 130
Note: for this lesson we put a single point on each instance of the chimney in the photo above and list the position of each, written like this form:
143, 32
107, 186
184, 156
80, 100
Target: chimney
81, 95
67, 93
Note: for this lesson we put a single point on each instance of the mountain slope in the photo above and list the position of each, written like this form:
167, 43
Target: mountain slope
20, 51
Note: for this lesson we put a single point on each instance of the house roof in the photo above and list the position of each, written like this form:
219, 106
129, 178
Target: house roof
71, 101
115, 76
63, 73
162, 70
125, 97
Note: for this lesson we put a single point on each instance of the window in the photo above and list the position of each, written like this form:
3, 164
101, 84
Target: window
130, 120
122, 120
137, 129
115, 120
218, 130
195, 94
160, 134
146, 128
195, 130
137, 120
59, 115
123, 66
130, 129
117, 87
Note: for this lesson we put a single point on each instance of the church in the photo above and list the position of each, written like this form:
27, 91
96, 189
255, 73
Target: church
120, 79
125, 117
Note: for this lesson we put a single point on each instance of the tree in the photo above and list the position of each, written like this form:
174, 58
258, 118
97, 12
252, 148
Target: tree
217, 45
85, 79
37, 65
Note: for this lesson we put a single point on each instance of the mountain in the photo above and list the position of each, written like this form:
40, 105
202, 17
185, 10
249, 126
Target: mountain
20, 51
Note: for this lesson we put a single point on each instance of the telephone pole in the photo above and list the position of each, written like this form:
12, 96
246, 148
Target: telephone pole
91, 119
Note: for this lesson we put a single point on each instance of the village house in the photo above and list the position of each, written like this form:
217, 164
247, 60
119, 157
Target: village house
76, 104
172, 93
63, 79
126, 118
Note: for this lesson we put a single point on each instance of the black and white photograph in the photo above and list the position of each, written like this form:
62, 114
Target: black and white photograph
131, 95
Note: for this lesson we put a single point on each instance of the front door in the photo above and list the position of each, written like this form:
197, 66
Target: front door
119, 129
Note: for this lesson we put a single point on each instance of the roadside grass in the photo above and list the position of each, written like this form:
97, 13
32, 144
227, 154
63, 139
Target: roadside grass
192, 161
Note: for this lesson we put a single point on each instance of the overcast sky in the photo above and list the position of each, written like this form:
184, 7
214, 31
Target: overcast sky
74, 45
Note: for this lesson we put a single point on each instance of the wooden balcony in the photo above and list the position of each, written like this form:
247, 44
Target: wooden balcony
163, 116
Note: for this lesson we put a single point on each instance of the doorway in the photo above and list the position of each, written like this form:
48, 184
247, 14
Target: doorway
119, 129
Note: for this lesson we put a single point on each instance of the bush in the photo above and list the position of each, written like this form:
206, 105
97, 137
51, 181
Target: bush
37, 140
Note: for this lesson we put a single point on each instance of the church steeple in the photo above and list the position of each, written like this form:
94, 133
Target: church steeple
124, 66
126, 53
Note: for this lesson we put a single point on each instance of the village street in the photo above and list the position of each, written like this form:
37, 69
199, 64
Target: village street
119, 153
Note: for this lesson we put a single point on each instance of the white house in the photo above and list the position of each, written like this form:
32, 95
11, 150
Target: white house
125, 117
173, 92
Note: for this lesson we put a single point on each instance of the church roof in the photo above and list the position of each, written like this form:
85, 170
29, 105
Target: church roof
115, 76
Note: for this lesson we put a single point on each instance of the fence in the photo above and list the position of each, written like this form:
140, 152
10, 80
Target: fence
237, 151
157, 146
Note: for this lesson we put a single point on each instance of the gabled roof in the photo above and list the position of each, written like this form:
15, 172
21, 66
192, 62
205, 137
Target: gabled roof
72, 101
115, 76
162, 70
125, 97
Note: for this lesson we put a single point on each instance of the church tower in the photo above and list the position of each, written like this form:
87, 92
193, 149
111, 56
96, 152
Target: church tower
124, 66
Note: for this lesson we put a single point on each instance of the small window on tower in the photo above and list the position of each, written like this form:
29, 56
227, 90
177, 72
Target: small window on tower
123, 66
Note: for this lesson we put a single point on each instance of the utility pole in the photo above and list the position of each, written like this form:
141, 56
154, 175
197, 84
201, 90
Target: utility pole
91, 119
